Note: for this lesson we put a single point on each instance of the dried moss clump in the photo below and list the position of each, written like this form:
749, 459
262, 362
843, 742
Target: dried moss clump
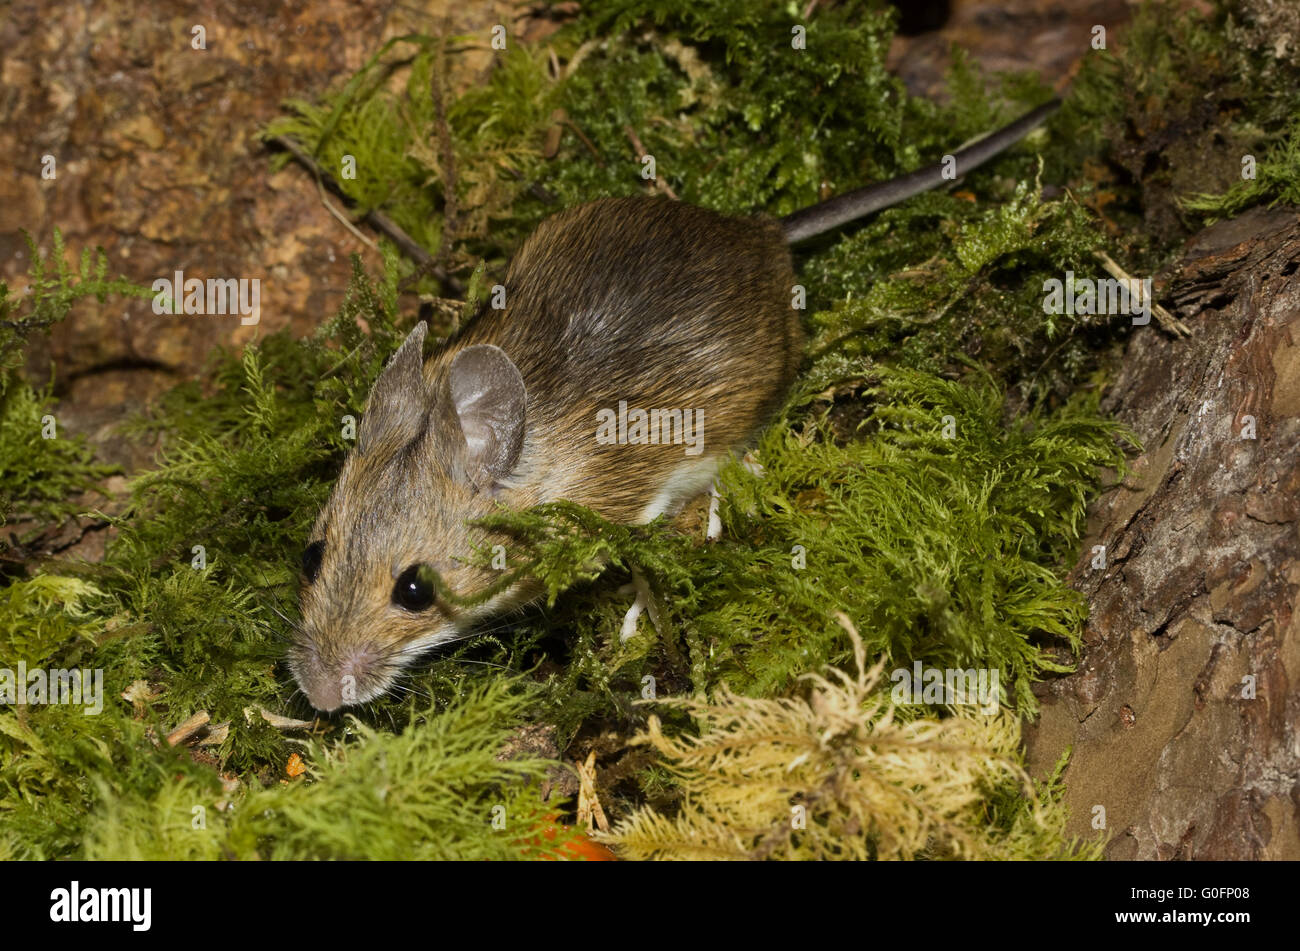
833, 775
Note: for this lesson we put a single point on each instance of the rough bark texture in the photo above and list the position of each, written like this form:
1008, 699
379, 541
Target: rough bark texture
157, 162
1202, 563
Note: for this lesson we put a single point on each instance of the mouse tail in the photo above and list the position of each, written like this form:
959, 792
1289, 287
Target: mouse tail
827, 215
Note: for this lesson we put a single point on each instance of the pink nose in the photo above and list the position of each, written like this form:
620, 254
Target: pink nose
330, 687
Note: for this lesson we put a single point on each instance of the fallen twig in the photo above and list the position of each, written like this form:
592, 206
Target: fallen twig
377, 219
1166, 320
188, 728
590, 811
641, 153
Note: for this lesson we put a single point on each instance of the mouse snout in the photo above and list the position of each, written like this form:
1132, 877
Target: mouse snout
352, 676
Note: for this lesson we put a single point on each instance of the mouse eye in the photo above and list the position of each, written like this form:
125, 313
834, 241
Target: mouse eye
311, 557
415, 589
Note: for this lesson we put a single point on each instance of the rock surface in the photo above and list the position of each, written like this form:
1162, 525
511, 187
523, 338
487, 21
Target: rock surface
157, 161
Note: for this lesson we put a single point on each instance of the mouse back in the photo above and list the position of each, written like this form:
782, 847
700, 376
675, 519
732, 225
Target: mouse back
631, 306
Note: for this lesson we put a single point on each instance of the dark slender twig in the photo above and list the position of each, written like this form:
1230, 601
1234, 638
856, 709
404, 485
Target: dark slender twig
534, 189
641, 153
375, 218
450, 205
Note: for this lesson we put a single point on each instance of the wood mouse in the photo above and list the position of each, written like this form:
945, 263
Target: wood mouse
642, 341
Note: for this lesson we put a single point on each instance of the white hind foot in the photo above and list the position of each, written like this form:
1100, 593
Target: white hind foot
643, 604
630, 618
714, 531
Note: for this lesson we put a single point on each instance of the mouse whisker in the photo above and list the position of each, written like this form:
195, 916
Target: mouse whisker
485, 663
280, 614
409, 690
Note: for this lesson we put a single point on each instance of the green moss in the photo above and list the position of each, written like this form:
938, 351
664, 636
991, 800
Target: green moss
944, 548
390, 144
1155, 126
1276, 179
40, 616
436, 791
44, 469
54, 288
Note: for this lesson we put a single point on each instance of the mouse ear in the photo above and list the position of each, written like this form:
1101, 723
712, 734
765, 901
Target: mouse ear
488, 394
395, 412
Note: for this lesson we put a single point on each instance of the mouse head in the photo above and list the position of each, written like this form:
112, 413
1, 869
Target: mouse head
433, 451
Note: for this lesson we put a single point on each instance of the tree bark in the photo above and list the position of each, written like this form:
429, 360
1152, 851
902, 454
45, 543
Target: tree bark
1184, 714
